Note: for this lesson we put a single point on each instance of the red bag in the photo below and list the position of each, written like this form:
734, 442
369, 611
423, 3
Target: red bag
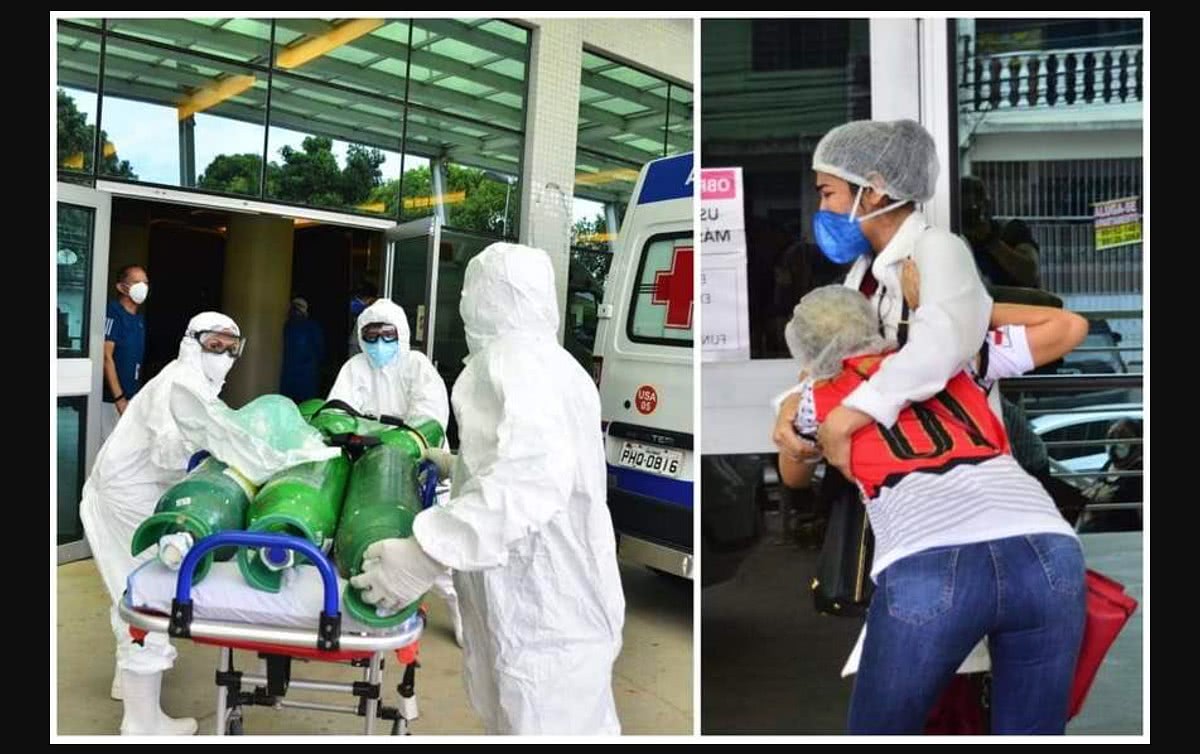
962, 708
1108, 610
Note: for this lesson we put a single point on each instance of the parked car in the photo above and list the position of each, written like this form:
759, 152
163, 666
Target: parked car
1091, 425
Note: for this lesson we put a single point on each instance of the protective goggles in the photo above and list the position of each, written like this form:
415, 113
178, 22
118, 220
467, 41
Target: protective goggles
380, 330
219, 341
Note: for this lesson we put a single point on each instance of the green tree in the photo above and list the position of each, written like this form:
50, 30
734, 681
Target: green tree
418, 190
591, 255
387, 193
311, 175
77, 138
481, 207
238, 174
361, 175
590, 234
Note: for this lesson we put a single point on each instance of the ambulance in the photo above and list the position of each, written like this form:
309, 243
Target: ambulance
642, 363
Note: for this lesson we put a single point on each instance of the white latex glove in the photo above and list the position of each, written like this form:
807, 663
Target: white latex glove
443, 458
173, 548
395, 573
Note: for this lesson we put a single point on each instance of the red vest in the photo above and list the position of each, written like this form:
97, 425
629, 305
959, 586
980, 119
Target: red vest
954, 427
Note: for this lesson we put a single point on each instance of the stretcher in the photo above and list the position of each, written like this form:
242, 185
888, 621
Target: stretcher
303, 621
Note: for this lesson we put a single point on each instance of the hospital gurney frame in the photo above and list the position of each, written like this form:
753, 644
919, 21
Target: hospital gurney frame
279, 645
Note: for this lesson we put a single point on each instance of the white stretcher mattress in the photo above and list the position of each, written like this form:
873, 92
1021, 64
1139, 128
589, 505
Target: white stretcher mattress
223, 595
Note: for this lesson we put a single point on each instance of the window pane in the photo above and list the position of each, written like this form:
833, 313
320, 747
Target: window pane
178, 119
662, 301
72, 421
74, 261
679, 127
1050, 190
365, 53
478, 169
78, 74
333, 148
769, 95
244, 40
472, 68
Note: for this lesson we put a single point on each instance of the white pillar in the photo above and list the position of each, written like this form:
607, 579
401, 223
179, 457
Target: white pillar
551, 123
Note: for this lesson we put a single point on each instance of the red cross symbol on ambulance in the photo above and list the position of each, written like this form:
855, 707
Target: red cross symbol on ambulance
674, 288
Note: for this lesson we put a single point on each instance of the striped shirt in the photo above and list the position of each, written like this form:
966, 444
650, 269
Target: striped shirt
966, 504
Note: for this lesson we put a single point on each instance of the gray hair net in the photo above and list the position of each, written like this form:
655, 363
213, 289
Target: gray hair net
831, 324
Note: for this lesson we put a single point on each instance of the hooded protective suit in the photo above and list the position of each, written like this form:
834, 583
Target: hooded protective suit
527, 529
139, 461
408, 386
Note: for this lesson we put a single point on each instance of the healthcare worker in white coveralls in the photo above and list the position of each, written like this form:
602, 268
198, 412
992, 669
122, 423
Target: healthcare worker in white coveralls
144, 456
527, 529
386, 378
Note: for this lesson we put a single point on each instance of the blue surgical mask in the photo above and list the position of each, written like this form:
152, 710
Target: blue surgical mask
840, 236
381, 352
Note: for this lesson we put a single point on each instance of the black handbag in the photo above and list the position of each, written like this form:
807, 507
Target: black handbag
842, 585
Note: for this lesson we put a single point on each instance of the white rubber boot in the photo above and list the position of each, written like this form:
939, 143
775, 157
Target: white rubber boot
456, 616
444, 586
115, 690
143, 715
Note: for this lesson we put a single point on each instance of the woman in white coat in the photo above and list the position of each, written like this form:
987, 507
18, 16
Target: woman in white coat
870, 175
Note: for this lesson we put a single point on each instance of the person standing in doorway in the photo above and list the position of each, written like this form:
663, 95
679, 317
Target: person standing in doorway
303, 353
124, 345
364, 295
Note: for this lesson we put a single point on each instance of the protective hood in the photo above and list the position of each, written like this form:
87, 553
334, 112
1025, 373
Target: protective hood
385, 310
508, 289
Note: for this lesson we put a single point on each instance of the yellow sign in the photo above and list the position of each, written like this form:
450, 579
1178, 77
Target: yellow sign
75, 161
606, 176
1117, 223
425, 202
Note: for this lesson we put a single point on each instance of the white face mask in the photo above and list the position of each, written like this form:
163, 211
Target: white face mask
216, 366
139, 291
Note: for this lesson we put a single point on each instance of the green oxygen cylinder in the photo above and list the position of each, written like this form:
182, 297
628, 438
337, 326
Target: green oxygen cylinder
381, 503
309, 407
302, 501
213, 498
334, 421
418, 435
415, 438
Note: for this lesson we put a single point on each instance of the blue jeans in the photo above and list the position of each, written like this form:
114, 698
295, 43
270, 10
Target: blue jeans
1026, 594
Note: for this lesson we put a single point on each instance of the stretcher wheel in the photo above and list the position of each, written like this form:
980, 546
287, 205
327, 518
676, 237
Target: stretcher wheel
233, 726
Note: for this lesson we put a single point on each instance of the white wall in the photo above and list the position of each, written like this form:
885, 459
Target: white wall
658, 46
1063, 145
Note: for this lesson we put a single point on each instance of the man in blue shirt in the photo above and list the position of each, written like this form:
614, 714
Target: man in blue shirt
124, 345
